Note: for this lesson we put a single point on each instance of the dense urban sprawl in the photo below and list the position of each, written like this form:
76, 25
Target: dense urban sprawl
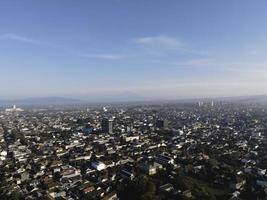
203, 150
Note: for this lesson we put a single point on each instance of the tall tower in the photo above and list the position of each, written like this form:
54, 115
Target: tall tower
107, 125
162, 123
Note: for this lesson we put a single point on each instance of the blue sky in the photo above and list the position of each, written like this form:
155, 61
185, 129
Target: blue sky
157, 49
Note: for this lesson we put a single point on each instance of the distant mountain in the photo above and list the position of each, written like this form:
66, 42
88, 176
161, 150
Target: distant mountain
123, 98
255, 99
41, 101
109, 98
115, 98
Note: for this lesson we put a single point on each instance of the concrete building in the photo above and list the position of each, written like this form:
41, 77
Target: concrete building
107, 125
99, 166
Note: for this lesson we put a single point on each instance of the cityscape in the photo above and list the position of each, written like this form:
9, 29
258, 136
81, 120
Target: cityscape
133, 100
198, 150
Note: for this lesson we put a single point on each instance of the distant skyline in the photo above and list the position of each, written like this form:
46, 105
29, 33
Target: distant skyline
149, 49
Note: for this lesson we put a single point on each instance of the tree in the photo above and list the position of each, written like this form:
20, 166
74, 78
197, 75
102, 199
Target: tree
202, 193
15, 195
57, 176
90, 196
141, 188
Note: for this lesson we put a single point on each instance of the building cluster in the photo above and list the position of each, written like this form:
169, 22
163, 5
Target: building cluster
14, 109
187, 151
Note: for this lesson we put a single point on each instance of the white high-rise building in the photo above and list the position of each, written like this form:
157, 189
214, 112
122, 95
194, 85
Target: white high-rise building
14, 109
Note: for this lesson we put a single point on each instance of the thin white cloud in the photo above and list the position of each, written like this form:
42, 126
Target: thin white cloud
230, 65
161, 40
28, 40
105, 56
15, 37
202, 62
19, 38
163, 45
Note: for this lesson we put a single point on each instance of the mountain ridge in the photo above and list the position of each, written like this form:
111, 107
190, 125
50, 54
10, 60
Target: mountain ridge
123, 98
